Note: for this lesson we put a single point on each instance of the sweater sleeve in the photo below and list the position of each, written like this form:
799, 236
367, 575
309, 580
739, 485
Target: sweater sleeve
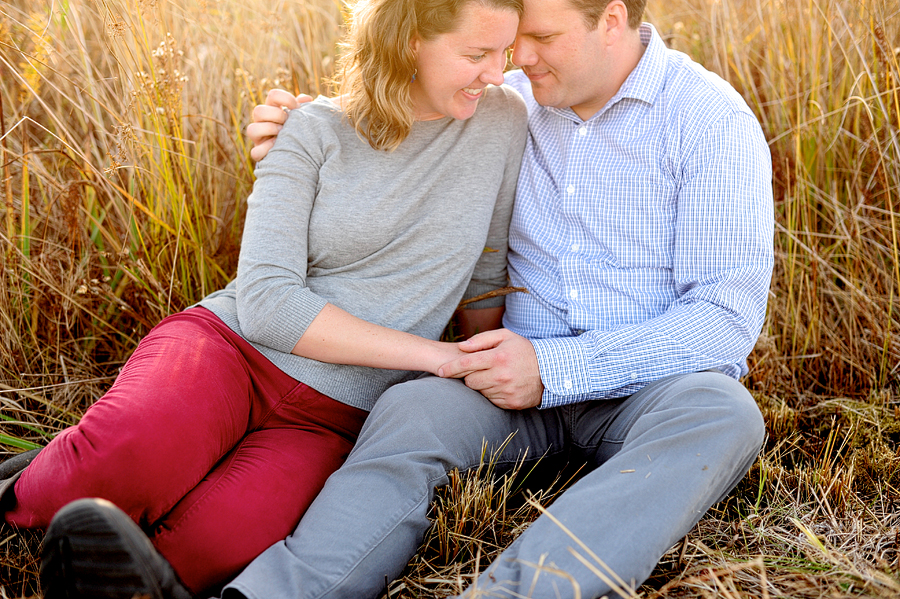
274, 304
490, 270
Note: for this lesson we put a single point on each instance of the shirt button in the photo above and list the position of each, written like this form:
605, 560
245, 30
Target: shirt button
570, 189
573, 293
582, 131
632, 376
568, 385
575, 247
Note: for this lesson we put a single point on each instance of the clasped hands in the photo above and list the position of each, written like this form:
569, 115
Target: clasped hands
502, 366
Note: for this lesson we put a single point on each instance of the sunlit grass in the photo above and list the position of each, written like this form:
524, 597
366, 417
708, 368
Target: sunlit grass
124, 174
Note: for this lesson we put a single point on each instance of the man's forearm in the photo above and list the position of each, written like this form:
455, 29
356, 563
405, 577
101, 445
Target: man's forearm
689, 337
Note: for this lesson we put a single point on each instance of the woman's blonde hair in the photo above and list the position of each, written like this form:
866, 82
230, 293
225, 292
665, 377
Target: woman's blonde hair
377, 64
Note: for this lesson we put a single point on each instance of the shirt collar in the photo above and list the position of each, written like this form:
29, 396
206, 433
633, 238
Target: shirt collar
646, 80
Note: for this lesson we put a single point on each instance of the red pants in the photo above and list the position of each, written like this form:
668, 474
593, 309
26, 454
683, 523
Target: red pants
203, 442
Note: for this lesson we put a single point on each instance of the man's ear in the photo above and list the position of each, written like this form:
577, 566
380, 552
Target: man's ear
615, 18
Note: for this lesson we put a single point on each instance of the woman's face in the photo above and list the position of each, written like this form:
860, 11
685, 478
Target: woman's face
454, 68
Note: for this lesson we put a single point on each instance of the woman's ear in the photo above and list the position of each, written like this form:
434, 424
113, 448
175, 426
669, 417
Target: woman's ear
414, 44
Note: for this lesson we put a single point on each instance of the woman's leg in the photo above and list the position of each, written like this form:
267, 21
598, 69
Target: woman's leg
182, 401
256, 495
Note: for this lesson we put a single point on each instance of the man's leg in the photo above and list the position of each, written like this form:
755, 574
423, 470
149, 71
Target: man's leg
672, 450
371, 515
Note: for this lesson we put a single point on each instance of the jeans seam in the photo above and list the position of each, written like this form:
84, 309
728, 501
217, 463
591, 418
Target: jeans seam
431, 482
168, 530
272, 410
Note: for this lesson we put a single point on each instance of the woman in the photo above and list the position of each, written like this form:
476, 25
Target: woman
367, 225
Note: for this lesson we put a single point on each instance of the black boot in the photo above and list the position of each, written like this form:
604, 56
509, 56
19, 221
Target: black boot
94, 550
10, 470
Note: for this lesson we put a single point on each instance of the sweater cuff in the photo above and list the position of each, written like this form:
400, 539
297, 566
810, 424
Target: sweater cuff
291, 320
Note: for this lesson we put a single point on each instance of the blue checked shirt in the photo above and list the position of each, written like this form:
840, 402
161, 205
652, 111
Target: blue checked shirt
644, 234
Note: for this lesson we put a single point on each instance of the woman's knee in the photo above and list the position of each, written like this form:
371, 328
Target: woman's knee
183, 345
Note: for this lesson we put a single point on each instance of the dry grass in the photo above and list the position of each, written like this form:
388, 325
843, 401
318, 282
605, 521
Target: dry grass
123, 173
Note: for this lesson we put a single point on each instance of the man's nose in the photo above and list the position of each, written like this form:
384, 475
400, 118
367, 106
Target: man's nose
523, 54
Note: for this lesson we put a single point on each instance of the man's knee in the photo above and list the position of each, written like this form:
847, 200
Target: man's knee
424, 409
740, 425
733, 408
744, 415
715, 399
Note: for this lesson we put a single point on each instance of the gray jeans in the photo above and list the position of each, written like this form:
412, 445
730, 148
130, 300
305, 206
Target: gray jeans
657, 461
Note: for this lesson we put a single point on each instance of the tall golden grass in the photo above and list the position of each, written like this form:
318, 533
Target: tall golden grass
125, 169
823, 78
124, 176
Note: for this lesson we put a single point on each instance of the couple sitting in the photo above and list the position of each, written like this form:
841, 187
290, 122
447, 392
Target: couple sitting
280, 440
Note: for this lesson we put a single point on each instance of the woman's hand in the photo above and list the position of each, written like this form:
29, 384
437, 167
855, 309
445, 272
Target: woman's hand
444, 353
268, 119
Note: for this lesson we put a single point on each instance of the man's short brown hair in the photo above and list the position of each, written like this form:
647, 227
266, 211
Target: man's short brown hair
592, 9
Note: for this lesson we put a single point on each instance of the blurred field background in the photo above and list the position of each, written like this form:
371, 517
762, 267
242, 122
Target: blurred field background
124, 174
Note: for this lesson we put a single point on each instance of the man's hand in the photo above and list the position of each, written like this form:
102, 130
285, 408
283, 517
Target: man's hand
268, 119
502, 366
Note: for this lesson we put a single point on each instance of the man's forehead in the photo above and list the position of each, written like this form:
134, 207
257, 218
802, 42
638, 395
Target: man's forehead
548, 10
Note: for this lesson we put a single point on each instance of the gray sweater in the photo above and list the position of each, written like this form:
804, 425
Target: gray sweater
394, 238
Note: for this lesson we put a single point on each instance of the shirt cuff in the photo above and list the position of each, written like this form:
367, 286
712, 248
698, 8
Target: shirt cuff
565, 370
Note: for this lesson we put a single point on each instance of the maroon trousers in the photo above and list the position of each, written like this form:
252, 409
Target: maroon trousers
203, 442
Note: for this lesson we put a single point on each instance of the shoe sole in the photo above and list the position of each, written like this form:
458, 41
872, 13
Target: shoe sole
93, 550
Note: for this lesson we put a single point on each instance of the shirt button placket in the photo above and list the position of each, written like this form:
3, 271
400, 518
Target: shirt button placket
578, 148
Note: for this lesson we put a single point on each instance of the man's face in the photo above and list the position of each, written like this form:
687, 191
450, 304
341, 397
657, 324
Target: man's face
565, 61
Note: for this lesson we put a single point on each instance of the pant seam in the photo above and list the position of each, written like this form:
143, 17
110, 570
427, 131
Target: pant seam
358, 561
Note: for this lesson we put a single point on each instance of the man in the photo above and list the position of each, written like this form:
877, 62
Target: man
643, 235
